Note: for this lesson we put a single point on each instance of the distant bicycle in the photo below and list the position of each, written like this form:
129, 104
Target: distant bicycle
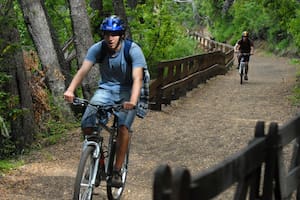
98, 156
243, 66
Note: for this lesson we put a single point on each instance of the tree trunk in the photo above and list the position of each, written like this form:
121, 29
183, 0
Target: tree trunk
98, 5
22, 125
49, 52
132, 3
226, 6
23, 128
119, 9
83, 40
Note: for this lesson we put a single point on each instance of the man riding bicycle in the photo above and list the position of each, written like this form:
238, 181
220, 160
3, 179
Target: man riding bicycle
244, 46
120, 81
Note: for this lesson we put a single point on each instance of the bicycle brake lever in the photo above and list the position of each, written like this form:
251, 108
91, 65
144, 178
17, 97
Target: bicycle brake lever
79, 102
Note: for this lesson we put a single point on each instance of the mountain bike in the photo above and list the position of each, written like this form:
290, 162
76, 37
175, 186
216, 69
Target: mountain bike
99, 154
242, 66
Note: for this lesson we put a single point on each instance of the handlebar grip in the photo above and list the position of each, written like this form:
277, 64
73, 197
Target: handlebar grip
79, 101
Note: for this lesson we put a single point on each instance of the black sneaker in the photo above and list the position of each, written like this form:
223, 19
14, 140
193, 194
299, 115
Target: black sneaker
246, 77
116, 179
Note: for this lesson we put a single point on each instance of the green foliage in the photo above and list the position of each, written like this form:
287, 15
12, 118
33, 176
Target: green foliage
6, 165
9, 104
181, 48
295, 98
211, 9
55, 126
274, 21
55, 132
251, 17
59, 14
294, 28
7, 147
160, 33
25, 39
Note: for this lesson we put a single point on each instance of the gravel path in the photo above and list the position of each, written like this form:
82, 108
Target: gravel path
198, 131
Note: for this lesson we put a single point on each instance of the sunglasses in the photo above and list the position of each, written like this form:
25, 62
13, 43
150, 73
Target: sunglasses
112, 33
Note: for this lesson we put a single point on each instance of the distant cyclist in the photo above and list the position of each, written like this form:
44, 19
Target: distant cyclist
244, 45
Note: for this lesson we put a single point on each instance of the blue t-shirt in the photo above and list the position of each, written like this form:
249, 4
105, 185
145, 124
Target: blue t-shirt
115, 73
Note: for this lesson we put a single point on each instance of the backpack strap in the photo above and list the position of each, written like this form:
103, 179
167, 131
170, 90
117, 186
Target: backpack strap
127, 47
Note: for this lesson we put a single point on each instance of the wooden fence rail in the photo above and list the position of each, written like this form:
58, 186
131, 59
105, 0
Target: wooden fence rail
259, 170
176, 77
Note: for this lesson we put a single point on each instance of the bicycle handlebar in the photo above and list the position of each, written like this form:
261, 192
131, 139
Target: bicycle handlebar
109, 108
244, 54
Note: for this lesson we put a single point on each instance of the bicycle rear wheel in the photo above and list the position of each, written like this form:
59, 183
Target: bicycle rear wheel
83, 189
114, 193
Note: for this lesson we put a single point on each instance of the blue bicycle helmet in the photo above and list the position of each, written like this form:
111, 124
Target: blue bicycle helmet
113, 23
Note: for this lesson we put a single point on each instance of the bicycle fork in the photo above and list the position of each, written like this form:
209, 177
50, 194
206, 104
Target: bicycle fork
97, 157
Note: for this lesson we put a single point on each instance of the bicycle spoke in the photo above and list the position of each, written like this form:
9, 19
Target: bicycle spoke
83, 188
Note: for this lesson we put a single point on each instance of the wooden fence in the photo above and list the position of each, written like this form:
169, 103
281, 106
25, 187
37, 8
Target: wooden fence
176, 77
259, 170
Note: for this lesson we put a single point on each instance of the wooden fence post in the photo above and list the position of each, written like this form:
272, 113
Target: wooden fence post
295, 161
254, 188
253, 180
270, 167
162, 186
181, 184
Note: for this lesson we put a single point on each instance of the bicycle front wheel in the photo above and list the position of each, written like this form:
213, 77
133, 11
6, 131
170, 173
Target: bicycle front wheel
241, 71
114, 193
83, 189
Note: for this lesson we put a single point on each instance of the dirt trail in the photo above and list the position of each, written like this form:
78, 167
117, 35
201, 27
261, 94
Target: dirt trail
198, 131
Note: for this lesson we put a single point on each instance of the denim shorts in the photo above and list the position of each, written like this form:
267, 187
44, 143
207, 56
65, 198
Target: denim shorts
108, 97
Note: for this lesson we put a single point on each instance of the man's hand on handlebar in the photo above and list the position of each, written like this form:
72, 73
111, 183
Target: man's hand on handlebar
128, 105
69, 96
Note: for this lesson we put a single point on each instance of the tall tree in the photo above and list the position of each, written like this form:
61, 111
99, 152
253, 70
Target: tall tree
227, 4
119, 10
83, 40
21, 108
132, 3
47, 46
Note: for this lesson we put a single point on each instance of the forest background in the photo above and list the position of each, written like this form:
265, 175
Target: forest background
43, 43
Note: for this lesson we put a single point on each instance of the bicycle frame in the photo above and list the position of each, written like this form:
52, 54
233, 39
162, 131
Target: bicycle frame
242, 66
113, 131
93, 151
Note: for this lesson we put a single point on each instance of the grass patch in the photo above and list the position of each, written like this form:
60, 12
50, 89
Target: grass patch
295, 97
7, 165
295, 61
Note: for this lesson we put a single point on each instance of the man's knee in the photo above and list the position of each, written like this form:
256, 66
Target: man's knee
123, 129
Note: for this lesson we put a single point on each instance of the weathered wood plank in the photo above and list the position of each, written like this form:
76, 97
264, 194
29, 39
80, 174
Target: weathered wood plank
217, 179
